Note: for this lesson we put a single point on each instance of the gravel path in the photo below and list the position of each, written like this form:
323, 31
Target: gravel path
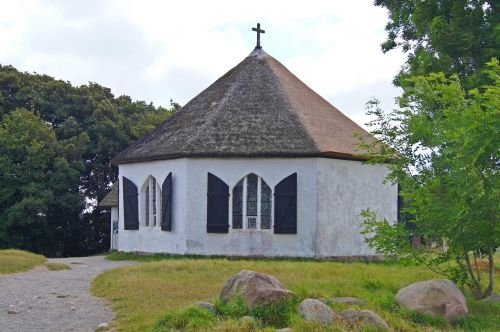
42, 300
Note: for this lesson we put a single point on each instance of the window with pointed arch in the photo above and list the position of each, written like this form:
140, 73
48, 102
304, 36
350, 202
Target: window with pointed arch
252, 203
150, 203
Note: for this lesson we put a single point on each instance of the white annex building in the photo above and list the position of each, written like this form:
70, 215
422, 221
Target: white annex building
257, 164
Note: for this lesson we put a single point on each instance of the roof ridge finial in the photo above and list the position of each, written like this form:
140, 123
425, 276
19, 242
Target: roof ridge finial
259, 31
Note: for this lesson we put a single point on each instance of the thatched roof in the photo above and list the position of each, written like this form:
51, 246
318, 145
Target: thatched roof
111, 199
257, 109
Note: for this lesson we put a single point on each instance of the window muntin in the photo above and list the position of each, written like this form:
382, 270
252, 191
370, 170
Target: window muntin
151, 203
147, 204
265, 206
238, 205
252, 183
251, 204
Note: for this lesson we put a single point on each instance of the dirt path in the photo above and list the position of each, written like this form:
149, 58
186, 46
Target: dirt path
42, 300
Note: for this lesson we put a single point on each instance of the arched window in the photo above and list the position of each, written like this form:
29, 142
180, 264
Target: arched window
251, 204
151, 203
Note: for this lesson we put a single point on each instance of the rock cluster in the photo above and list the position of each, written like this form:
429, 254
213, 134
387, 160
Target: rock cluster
259, 288
437, 297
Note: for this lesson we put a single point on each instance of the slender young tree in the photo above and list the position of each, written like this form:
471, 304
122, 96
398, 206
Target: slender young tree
443, 144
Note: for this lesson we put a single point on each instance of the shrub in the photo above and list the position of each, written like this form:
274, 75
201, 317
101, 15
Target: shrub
236, 307
278, 314
191, 319
370, 283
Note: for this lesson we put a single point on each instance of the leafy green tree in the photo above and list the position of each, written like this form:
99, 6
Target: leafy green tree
443, 143
450, 36
108, 123
39, 176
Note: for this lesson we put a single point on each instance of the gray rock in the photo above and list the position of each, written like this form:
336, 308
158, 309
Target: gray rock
286, 329
357, 319
436, 297
256, 288
493, 297
344, 300
103, 326
316, 311
206, 305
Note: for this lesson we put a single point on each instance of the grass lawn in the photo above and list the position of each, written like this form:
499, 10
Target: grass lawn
143, 294
13, 261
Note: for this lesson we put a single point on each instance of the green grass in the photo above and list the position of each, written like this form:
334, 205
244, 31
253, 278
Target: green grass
57, 266
13, 261
156, 295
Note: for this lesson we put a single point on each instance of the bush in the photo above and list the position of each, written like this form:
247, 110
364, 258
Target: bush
278, 314
190, 319
236, 307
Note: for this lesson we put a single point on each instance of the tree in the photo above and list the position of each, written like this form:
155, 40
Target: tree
109, 124
450, 36
443, 146
39, 195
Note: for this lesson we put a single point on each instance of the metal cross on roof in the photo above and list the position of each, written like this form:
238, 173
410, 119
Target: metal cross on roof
259, 31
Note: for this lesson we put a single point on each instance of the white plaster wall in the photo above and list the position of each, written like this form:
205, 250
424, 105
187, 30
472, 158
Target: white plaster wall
344, 189
251, 242
153, 239
330, 195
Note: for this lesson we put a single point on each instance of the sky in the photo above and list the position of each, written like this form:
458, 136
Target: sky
160, 50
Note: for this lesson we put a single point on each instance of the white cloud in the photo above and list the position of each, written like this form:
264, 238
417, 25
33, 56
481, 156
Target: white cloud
157, 50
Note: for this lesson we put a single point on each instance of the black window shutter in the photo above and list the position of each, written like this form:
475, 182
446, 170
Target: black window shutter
130, 206
217, 205
285, 206
166, 204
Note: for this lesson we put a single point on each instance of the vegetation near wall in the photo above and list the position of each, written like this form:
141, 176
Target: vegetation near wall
56, 143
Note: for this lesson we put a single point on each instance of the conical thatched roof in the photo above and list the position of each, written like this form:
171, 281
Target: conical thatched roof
257, 109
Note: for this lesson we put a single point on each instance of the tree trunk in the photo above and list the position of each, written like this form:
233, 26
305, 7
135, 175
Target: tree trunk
476, 288
491, 268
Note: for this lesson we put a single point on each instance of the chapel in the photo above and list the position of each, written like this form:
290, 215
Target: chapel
257, 164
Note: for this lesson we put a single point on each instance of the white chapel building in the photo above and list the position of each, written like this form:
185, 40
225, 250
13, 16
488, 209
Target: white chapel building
257, 164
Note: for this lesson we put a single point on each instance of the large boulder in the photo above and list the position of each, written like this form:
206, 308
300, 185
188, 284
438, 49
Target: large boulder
357, 319
256, 288
316, 311
436, 297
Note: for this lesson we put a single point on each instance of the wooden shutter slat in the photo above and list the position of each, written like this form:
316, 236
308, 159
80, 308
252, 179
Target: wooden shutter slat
166, 204
131, 205
217, 205
285, 205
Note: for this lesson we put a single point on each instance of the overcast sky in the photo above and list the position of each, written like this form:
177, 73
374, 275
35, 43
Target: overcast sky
161, 50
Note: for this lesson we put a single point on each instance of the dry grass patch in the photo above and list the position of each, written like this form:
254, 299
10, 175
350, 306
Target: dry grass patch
13, 261
57, 266
143, 294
